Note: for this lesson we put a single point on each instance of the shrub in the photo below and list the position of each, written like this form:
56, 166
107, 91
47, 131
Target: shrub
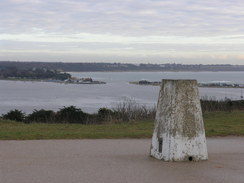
71, 114
105, 114
43, 116
228, 105
15, 115
129, 110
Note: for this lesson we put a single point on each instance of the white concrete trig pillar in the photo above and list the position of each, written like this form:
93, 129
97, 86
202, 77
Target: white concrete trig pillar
179, 133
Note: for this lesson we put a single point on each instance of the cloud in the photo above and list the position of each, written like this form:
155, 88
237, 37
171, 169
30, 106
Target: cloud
184, 28
180, 17
41, 36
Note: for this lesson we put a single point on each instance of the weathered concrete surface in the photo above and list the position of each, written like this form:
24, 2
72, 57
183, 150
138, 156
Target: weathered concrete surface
179, 133
115, 161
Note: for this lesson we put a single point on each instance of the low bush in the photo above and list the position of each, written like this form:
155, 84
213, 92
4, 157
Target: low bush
227, 105
15, 115
105, 114
41, 116
125, 111
129, 110
71, 114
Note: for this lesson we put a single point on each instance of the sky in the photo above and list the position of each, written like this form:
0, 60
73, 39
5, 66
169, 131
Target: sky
128, 31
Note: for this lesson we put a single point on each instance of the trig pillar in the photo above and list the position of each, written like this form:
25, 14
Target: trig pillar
179, 133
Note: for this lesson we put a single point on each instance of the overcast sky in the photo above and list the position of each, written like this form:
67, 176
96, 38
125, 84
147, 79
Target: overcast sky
130, 31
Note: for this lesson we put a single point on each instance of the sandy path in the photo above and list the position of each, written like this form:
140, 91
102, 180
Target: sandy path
115, 161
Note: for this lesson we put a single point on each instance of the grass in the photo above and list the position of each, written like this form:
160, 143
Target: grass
22, 131
224, 123
216, 124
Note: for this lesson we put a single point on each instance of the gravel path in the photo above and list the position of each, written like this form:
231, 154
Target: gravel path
115, 161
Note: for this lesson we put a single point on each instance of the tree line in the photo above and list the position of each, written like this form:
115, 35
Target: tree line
32, 73
87, 67
125, 111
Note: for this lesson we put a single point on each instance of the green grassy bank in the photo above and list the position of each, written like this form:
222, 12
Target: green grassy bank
216, 124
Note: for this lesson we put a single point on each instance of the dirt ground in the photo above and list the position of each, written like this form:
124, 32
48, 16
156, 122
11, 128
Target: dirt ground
115, 161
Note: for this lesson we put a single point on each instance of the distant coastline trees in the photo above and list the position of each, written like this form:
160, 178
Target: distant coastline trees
95, 67
32, 74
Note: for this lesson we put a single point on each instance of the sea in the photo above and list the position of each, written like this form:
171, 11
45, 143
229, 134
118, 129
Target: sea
32, 95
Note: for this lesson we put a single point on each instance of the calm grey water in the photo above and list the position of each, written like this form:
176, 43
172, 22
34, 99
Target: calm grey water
28, 96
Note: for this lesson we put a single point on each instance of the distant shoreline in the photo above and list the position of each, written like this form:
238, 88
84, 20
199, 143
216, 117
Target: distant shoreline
154, 83
202, 85
122, 67
50, 81
150, 71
